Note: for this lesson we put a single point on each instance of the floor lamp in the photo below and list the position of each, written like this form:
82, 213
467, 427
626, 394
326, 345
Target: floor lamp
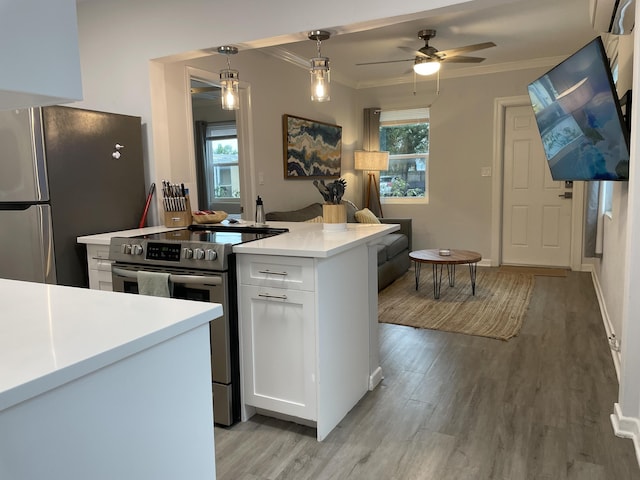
372, 162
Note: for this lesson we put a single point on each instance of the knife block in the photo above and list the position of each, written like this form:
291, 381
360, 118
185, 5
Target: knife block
179, 218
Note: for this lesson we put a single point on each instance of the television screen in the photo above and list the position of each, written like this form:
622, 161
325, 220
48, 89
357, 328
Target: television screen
579, 118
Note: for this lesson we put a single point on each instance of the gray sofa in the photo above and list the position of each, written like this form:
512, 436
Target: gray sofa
393, 248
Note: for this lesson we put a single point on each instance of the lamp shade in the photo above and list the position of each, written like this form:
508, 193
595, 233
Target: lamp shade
372, 161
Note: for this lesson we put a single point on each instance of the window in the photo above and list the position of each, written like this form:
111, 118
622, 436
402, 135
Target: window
405, 135
221, 162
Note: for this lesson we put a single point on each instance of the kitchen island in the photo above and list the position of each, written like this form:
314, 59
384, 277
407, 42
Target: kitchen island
308, 320
308, 317
103, 385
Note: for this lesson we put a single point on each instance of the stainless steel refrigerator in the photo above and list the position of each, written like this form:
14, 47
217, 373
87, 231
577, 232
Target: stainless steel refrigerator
64, 173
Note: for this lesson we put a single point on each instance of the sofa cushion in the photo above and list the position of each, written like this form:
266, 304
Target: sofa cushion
307, 213
393, 243
366, 216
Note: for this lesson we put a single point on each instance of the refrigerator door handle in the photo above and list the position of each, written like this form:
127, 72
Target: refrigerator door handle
39, 159
46, 234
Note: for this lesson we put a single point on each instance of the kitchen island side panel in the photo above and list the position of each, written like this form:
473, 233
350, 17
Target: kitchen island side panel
343, 335
147, 416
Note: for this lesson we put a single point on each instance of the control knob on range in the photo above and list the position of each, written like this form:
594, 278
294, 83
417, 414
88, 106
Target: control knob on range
187, 253
136, 249
210, 254
198, 254
125, 248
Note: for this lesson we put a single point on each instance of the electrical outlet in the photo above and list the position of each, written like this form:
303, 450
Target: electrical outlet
614, 343
485, 171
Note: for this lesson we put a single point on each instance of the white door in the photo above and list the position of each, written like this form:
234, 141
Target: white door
536, 214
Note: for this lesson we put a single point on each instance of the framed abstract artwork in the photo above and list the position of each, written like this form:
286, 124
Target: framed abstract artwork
311, 149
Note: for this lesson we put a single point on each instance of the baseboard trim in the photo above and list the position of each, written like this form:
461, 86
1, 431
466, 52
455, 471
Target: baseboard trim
626, 427
606, 320
375, 378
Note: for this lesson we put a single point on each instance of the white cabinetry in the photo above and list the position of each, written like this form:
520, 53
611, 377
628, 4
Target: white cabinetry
279, 336
277, 303
304, 333
99, 267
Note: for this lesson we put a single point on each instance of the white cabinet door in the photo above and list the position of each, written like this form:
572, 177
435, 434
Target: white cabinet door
99, 267
278, 350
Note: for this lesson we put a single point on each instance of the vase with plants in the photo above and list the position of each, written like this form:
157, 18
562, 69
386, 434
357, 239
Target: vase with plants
334, 212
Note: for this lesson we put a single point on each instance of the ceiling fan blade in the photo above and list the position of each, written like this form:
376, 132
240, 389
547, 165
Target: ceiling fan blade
386, 61
461, 59
469, 48
413, 51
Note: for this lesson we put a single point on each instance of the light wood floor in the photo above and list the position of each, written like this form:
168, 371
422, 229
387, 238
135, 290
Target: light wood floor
459, 407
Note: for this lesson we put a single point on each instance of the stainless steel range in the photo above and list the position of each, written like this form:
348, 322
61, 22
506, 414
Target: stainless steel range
201, 267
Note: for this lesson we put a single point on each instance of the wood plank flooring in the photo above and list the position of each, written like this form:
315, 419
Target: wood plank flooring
453, 406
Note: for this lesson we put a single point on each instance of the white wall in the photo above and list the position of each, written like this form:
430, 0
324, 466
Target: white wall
461, 143
626, 415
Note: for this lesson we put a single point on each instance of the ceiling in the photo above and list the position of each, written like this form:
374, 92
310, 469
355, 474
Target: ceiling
526, 33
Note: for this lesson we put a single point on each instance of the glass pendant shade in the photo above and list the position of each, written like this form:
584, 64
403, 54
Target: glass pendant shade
320, 81
319, 69
426, 66
230, 95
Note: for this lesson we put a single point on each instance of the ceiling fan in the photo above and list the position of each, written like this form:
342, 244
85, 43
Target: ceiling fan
428, 59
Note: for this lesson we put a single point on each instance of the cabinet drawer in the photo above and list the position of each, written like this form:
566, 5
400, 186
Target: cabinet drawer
98, 257
276, 271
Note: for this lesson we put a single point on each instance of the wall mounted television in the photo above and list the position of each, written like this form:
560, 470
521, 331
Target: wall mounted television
579, 117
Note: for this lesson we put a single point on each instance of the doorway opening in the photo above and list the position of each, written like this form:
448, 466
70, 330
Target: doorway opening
217, 157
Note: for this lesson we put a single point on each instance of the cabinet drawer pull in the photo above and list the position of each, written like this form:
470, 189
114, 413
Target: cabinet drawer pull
268, 295
269, 272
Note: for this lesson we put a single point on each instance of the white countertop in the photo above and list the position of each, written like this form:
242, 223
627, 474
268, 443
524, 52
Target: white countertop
51, 334
306, 239
105, 238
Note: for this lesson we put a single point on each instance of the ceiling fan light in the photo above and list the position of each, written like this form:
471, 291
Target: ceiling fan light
426, 66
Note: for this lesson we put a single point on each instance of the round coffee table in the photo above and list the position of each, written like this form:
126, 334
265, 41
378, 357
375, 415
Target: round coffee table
438, 261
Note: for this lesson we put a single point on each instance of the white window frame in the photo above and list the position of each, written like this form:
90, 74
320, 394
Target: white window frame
401, 117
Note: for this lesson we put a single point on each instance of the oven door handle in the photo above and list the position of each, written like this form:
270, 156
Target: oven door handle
182, 279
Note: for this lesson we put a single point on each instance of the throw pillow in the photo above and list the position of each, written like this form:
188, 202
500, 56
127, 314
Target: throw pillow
366, 216
317, 219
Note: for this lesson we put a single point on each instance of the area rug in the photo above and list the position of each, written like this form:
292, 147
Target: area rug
496, 310
540, 271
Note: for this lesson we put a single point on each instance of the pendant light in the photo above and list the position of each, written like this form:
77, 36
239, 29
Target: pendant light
319, 69
229, 81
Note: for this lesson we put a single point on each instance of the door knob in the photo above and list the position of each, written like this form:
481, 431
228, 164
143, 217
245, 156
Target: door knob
566, 195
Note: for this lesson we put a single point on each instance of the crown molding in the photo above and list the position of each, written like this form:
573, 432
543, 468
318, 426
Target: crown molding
544, 62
